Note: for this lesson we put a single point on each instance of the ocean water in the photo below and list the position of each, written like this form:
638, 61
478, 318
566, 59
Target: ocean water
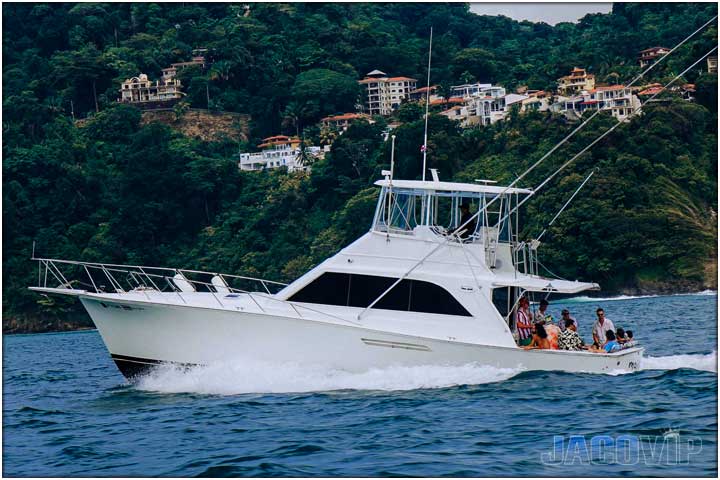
67, 411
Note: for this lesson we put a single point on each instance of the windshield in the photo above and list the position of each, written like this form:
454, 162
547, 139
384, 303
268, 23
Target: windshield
401, 210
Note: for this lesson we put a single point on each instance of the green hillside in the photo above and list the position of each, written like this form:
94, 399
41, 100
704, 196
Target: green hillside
110, 189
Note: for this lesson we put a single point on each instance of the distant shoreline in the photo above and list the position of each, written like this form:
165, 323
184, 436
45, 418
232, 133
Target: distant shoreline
68, 326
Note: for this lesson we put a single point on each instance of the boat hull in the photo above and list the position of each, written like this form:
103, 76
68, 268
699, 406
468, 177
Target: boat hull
141, 335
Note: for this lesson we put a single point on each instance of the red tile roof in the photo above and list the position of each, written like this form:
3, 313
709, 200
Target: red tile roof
653, 49
442, 101
402, 79
651, 91
345, 116
609, 88
425, 89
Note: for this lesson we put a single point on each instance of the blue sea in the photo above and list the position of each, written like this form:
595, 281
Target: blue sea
67, 411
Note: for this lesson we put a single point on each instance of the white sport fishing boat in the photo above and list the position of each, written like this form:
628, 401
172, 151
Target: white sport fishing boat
419, 288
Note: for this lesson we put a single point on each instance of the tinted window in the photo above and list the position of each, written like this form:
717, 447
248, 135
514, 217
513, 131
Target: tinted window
353, 290
364, 289
431, 298
329, 289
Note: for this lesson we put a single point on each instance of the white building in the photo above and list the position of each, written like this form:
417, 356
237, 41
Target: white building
537, 101
278, 151
617, 99
471, 90
482, 104
385, 94
140, 89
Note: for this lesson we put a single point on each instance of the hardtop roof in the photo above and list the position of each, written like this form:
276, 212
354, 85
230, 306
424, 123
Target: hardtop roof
452, 187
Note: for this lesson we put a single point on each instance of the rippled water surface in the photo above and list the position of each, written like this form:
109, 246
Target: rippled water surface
68, 412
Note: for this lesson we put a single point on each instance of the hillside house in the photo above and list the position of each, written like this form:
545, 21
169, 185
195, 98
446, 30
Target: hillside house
648, 56
385, 94
538, 101
712, 64
342, 122
472, 90
617, 99
576, 82
276, 152
140, 90
420, 94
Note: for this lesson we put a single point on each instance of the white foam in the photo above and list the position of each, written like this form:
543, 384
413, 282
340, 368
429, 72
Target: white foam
583, 299
254, 377
702, 361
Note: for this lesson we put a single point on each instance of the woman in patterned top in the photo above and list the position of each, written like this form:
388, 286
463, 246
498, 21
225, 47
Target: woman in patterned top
569, 338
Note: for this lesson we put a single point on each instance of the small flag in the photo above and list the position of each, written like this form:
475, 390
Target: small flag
423, 148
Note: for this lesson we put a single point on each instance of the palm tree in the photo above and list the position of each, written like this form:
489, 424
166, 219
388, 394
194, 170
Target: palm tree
328, 136
292, 116
304, 157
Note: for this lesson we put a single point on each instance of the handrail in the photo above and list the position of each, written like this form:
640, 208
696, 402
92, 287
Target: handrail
140, 275
141, 267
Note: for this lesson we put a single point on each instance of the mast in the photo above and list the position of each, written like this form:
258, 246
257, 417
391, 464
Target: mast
427, 108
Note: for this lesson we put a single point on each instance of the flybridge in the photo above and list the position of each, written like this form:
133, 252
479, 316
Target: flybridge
451, 187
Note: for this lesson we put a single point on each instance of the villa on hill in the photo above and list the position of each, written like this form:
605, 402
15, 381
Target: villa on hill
649, 55
385, 94
342, 122
576, 82
279, 151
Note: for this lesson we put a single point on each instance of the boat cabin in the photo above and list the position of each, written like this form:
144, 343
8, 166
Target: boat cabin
405, 206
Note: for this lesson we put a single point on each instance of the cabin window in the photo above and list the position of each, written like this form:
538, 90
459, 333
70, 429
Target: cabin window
504, 299
353, 290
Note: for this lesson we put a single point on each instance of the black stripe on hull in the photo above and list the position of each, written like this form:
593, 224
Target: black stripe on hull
133, 367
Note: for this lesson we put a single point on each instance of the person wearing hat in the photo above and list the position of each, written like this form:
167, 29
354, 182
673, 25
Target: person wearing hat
566, 316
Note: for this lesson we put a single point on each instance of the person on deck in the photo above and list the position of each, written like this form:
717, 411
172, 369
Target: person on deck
566, 316
553, 332
539, 339
466, 219
601, 325
523, 322
569, 338
620, 336
611, 345
630, 340
608, 346
541, 315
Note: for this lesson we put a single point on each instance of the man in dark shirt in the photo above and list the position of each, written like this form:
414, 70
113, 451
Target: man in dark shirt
465, 217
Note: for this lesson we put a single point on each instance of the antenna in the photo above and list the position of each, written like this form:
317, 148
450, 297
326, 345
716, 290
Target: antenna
427, 108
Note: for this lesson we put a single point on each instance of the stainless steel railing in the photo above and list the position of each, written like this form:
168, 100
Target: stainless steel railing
142, 279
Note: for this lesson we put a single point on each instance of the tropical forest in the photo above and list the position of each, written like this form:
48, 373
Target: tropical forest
87, 177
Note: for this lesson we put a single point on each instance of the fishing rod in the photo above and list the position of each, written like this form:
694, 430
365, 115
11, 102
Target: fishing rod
603, 135
581, 126
427, 108
565, 206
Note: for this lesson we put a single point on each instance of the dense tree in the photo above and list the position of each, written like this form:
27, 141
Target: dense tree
108, 188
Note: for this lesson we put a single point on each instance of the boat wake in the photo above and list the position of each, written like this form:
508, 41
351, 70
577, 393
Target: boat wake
701, 361
254, 377
585, 298
242, 377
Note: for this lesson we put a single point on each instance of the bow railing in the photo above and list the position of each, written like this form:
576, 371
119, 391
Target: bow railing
114, 278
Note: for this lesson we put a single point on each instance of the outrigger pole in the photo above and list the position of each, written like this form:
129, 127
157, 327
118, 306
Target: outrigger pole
603, 135
565, 206
427, 109
583, 124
